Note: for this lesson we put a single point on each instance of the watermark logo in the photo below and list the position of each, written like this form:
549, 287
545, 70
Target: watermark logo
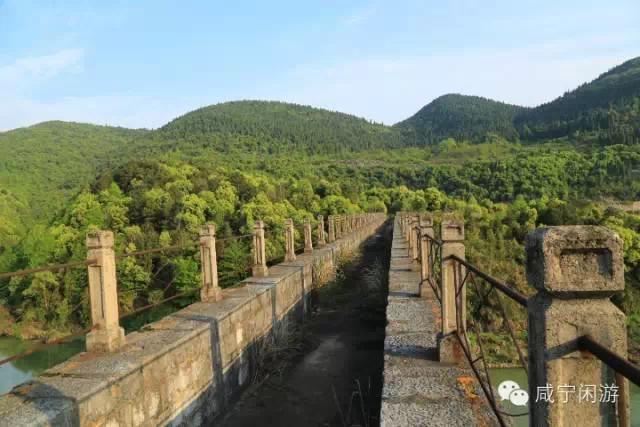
511, 391
585, 393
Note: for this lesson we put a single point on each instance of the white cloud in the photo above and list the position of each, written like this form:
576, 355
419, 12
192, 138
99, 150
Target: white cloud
19, 108
385, 88
360, 16
115, 110
27, 71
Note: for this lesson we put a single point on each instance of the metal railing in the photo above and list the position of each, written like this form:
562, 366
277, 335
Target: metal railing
159, 264
489, 292
474, 277
434, 261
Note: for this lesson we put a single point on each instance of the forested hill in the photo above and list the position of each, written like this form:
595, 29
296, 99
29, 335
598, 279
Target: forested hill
609, 103
461, 117
42, 164
273, 127
607, 109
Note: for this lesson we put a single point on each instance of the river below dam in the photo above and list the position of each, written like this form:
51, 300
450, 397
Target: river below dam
21, 370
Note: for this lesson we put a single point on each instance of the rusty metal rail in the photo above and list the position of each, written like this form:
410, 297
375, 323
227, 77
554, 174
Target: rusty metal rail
55, 267
613, 360
498, 284
458, 275
90, 262
469, 273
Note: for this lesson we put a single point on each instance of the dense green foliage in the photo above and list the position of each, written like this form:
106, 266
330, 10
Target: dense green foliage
44, 165
461, 117
50, 160
235, 162
163, 202
277, 127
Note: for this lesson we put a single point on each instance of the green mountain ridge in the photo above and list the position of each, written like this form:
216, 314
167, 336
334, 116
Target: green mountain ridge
235, 162
279, 126
44, 164
608, 107
462, 117
611, 102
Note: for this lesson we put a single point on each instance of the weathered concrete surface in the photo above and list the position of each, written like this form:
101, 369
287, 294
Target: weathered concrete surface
418, 389
185, 369
339, 355
576, 269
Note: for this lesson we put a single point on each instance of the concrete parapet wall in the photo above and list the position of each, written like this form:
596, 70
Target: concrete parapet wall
420, 389
185, 369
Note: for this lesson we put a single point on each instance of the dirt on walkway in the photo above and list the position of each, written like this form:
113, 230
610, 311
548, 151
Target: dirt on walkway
331, 372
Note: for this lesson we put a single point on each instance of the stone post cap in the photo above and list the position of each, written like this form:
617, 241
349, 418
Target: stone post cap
426, 221
577, 259
320, 217
208, 230
427, 231
452, 230
100, 239
288, 222
259, 224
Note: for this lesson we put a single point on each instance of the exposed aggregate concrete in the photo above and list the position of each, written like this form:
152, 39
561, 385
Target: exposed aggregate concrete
418, 389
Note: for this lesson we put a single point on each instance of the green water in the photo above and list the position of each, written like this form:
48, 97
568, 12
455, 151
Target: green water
518, 375
19, 371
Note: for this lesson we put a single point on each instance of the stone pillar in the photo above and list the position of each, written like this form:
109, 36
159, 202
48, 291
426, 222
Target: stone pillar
338, 219
332, 228
106, 335
289, 240
575, 270
426, 232
321, 238
308, 243
259, 268
452, 233
210, 291
415, 237
407, 228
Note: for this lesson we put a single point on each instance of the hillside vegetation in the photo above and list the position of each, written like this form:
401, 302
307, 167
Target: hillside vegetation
460, 117
234, 162
606, 110
43, 166
609, 106
277, 127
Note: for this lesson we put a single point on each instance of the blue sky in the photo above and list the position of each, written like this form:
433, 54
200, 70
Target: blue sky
141, 63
